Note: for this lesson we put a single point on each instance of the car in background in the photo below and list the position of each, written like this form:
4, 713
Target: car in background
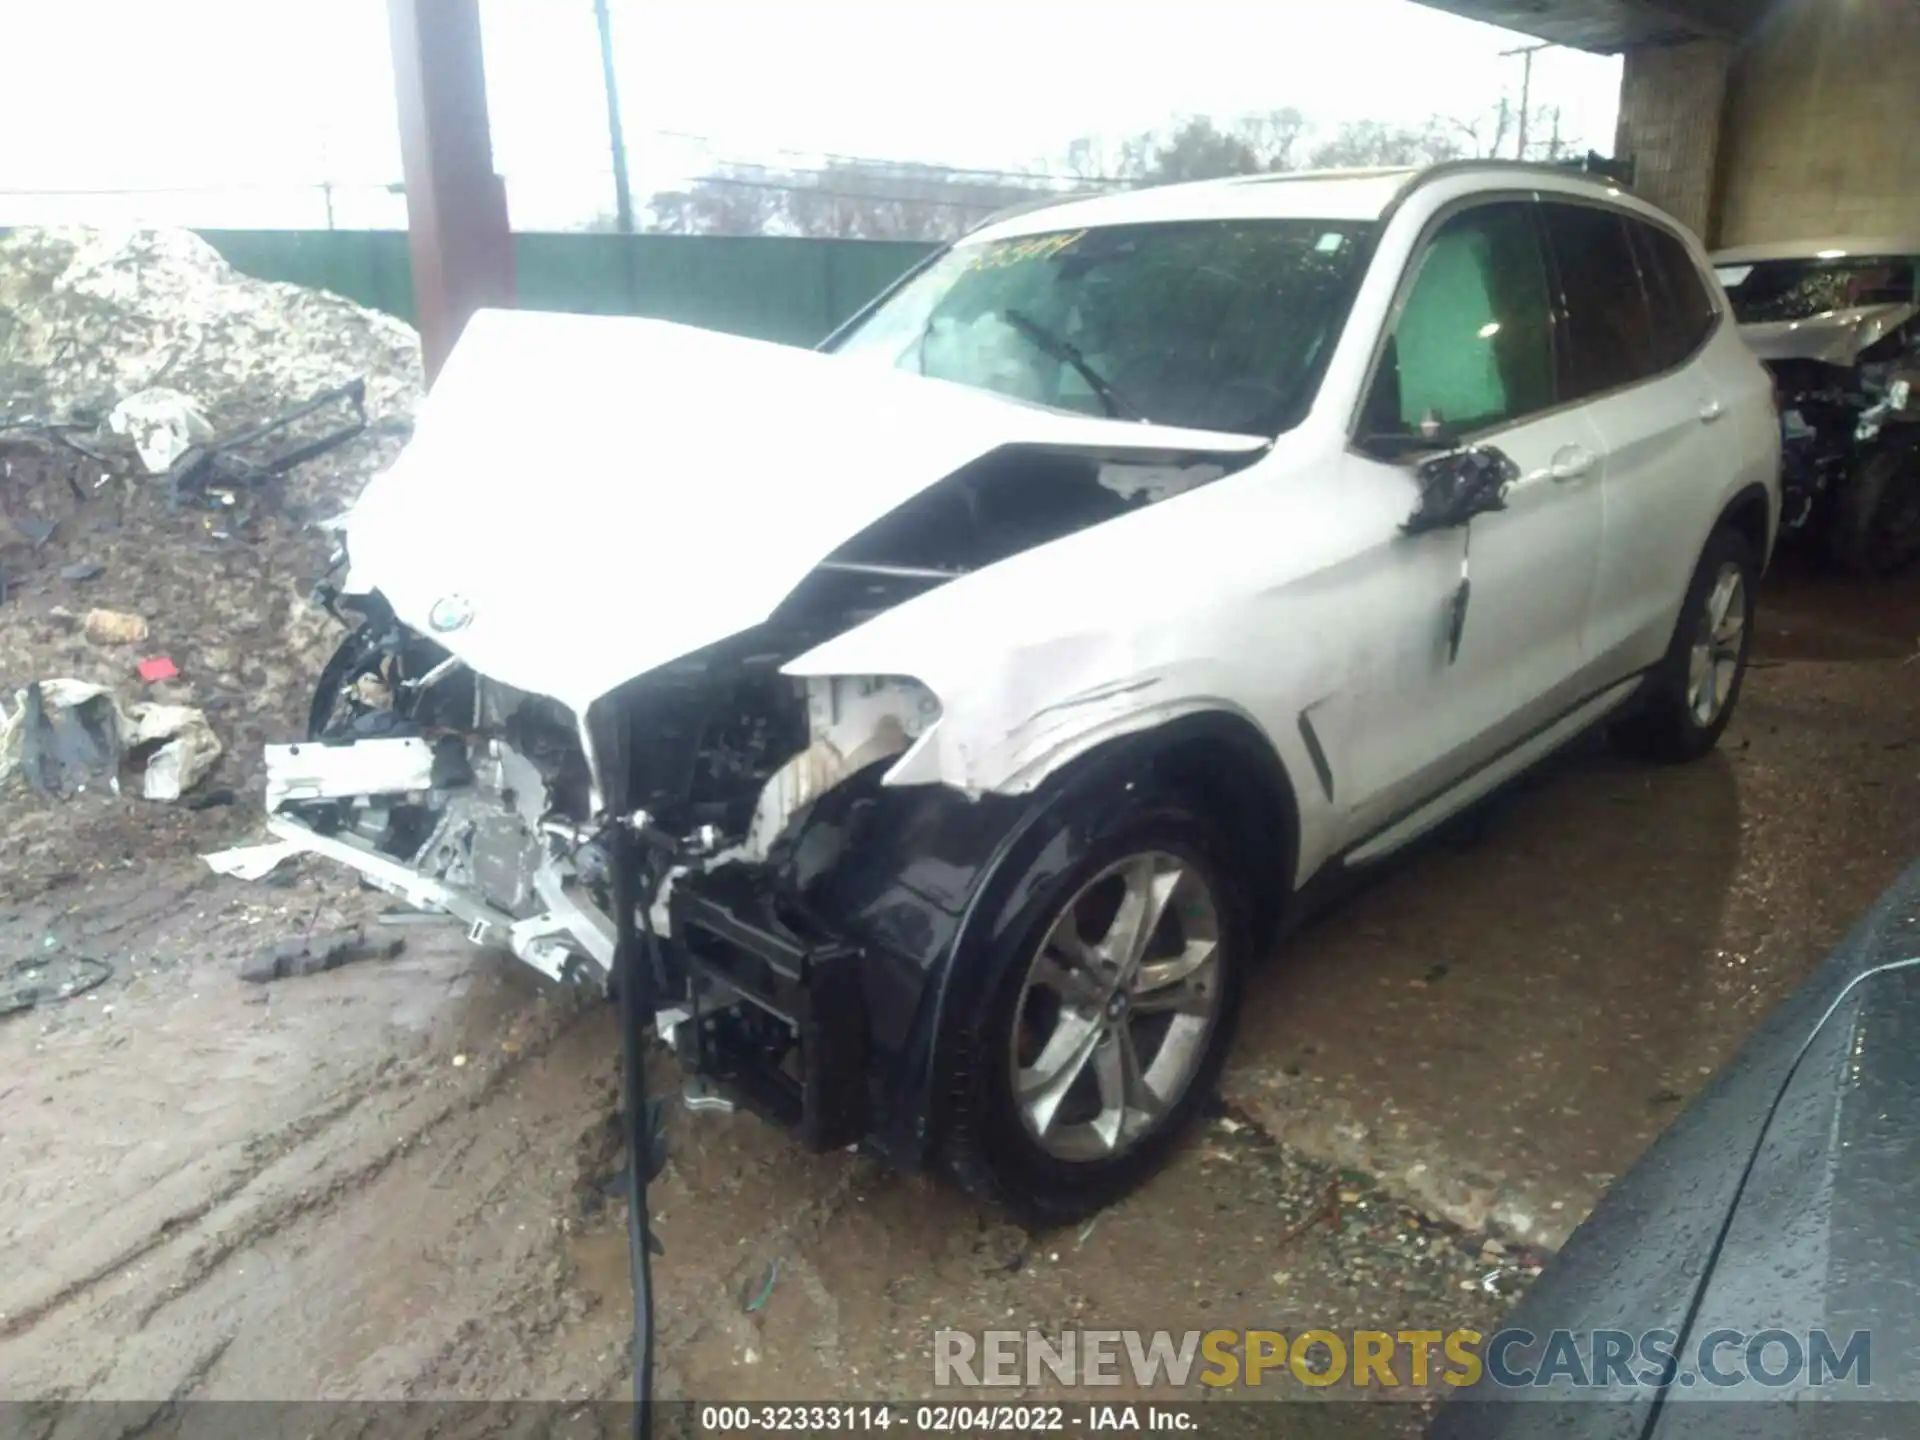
1834, 319
963, 708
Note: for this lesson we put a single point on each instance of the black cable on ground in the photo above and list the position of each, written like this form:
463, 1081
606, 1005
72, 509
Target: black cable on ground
47, 979
636, 960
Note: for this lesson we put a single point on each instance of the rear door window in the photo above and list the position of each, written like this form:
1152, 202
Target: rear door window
1472, 346
1609, 327
1683, 308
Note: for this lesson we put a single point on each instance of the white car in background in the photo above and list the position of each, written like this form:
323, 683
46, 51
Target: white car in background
965, 707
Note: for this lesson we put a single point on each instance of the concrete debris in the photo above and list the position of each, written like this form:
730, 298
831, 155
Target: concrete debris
99, 317
177, 745
115, 347
311, 954
253, 862
163, 425
113, 627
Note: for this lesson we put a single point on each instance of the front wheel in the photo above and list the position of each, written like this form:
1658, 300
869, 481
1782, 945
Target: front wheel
1108, 1025
1692, 691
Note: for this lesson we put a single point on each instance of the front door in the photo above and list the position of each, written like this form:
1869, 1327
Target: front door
1472, 352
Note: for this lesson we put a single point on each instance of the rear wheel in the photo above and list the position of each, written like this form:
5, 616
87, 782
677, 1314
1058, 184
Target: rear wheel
1693, 690
1108, 1026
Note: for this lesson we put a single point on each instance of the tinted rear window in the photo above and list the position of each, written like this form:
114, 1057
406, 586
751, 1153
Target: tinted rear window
1609, 331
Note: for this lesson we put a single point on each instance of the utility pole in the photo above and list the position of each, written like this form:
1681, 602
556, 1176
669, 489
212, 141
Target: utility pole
1526, 54
457, 227
616, 136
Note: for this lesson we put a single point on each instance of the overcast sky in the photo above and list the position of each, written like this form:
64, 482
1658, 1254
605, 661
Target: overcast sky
232, 112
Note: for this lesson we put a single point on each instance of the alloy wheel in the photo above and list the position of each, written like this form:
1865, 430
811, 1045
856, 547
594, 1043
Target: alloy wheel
1119, 1002
1713, 666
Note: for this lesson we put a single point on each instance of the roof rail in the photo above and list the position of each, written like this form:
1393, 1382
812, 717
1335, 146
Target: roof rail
1601, 170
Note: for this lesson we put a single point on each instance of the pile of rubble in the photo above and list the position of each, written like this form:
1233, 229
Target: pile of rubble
159, 532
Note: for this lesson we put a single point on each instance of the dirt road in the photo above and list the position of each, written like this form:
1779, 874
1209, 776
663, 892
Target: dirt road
391, 1181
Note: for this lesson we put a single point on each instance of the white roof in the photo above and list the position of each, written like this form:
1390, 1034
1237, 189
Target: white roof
1817, 248
1321, 195
1335, 195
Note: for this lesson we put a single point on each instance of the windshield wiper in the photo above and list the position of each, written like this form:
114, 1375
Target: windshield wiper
1067, 353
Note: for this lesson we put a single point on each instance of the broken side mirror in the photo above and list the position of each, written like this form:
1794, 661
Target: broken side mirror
1459, 485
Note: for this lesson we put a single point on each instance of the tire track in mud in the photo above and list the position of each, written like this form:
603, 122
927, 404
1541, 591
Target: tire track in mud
264, 1198
169, 1227
276, 1216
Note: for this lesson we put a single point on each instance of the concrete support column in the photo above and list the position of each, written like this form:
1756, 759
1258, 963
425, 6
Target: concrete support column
1823, 123
1671, 101
460, 241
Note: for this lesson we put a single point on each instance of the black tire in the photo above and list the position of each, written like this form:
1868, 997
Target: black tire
987, 1143
1876, 527
1667, 727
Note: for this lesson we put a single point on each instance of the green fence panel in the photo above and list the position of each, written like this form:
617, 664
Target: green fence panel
371, 267
788, 289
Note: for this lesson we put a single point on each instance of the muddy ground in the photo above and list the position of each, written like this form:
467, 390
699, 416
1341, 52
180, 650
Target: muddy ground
390, 1181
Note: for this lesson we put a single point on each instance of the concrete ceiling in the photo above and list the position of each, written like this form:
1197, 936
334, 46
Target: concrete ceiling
1607, 26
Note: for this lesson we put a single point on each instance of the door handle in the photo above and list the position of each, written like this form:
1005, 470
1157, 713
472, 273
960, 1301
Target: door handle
1710, 411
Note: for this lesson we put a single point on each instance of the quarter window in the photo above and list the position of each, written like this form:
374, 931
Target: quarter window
1609, 329
1683, 311
1473, 345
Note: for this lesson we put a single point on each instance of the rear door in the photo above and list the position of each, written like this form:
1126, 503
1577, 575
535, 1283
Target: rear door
1636, 317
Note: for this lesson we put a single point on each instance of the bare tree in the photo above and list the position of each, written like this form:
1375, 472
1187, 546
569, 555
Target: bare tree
732, 201
843, 199
1196, 148
901, 200
1198, 151
1367, 143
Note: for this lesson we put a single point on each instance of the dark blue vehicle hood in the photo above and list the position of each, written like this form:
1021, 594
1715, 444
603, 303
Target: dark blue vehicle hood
1786, 1196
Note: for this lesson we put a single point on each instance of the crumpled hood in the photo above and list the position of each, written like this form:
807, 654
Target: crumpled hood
1837, 337
604, 494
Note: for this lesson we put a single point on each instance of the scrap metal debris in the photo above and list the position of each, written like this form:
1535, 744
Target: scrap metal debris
311, 954
65, 734
253, 862
220, 472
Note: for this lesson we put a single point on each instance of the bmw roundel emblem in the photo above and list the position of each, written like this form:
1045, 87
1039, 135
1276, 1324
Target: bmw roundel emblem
450, 613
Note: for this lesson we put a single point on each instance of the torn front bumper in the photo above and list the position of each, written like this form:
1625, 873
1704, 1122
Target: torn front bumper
484, 854
759, 999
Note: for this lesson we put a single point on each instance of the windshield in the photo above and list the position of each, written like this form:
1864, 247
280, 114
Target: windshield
1777, 290
1211, 325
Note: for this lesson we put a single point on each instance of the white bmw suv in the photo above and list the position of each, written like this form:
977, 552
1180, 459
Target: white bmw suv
953, 714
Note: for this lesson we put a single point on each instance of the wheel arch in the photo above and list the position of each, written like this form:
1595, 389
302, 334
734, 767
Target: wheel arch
1750, 514
1215, 760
